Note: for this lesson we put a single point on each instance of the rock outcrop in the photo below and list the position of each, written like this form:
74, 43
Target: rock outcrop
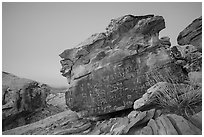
192, 34
106, 74
26, 101
189, 51
110, 70
188, 57
141, 123
170, 124
166, 90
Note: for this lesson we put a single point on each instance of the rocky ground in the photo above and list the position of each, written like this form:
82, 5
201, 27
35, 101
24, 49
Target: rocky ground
151, 122
125, 81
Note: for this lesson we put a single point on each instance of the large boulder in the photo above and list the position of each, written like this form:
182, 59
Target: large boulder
192, 34
110, 70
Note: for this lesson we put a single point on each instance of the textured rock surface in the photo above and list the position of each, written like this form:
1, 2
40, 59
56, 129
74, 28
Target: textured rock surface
21, 97
108, 71
24, 101
195, 78
165, 41
183, 126
197, 120
188, 57
44, 126
192, 34
160, 88
68, 123
57, 100
171, 124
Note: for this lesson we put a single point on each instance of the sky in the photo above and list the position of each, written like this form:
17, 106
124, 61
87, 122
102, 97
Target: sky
34, 34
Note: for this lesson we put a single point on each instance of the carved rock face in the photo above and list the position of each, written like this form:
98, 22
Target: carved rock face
110, 70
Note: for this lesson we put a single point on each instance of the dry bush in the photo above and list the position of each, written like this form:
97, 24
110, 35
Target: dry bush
185, 102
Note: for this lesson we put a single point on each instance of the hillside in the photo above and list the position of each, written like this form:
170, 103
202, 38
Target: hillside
26, 101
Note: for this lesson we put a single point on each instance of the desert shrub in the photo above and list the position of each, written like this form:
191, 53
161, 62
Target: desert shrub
184, 103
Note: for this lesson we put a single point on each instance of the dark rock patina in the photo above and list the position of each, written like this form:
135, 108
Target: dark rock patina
110, 70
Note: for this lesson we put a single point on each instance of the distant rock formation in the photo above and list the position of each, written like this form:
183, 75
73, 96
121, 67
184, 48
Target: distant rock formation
189, 51
110, 70
23, 99
192, 34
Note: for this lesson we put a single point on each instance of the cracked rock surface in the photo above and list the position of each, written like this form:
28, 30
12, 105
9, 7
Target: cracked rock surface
143, 123
110, 70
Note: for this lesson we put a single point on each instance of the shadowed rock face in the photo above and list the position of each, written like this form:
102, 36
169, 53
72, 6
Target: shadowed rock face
189, 51
110, 70
192, 34
20, 98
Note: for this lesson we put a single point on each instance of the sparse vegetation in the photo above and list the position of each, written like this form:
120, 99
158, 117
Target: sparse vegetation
185, 103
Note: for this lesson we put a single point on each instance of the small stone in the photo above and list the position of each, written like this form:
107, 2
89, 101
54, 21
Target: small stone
118, 130
148, 116
106, 126
133, 114
141, 102
73, 130
78, 123
96, 129
95, 132
157, 113
134, 121
146, 131
119, 125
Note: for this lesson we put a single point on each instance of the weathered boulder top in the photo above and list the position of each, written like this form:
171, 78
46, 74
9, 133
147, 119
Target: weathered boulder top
132, 29
110, 70
192, 34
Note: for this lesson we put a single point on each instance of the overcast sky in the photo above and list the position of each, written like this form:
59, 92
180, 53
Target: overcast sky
34, 34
